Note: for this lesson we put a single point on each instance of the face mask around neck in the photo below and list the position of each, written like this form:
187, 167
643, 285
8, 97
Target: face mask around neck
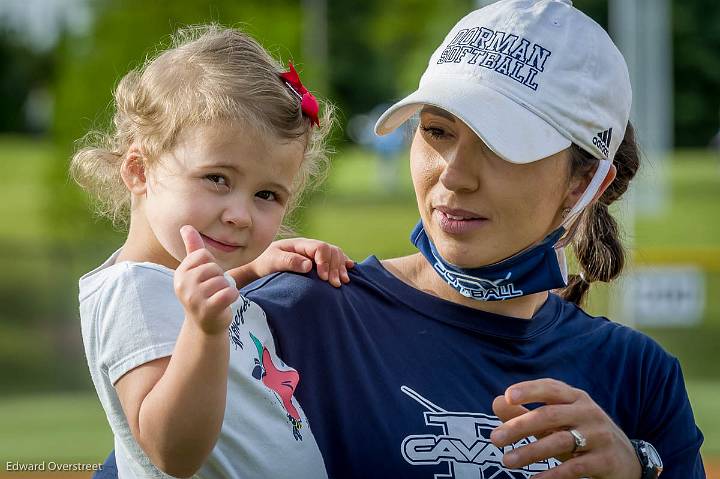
541, 267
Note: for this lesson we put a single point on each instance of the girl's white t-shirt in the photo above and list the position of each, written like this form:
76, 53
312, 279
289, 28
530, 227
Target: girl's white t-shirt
130, 316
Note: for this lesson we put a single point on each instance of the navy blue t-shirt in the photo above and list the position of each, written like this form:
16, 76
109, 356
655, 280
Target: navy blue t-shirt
399, 383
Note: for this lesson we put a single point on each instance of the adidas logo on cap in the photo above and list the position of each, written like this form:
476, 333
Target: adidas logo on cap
602, 141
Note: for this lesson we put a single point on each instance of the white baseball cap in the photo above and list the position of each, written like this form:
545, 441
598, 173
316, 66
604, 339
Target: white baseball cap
529, 77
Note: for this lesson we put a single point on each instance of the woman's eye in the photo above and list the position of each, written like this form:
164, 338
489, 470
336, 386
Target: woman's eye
266, 195
219, 180
433, 131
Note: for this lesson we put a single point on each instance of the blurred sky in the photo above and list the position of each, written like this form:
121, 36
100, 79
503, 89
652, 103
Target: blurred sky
40, 22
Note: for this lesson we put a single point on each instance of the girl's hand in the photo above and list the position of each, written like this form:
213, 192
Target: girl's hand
608, 453
201, 287
297, 254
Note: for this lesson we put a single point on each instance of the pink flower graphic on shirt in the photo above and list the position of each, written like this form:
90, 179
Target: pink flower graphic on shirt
283, 383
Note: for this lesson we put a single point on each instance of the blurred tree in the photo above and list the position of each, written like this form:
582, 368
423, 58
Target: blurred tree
406, 34
696, 69
595, 9
380, 51
24, 69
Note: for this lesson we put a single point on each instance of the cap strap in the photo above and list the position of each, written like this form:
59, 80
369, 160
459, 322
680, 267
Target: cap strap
600, 174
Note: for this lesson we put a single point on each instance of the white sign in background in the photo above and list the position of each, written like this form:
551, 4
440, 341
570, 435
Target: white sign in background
665, 295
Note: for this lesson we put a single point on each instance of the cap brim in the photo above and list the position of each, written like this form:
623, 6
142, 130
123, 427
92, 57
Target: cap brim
513, 132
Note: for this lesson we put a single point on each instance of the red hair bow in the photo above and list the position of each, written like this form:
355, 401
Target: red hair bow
308, 103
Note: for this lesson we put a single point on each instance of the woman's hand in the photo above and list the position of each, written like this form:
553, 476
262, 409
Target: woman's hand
297, 255
608, 453
201, 287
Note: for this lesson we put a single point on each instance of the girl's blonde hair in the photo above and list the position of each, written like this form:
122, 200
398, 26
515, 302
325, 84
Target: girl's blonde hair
210, 73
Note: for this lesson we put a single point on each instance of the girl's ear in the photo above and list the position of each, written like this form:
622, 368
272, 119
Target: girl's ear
132, 171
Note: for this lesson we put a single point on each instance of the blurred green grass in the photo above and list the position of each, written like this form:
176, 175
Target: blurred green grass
703, 397
692, 219
60, 427
24, 195
352, 211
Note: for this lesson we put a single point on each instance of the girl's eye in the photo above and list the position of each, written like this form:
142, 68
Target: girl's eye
266, 195
219, 180
434, 132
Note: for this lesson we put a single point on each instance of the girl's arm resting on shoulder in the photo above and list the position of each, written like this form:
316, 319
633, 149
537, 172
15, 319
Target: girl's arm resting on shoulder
297, 255
175, 405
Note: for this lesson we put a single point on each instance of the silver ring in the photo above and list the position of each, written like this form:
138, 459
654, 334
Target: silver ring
580, 441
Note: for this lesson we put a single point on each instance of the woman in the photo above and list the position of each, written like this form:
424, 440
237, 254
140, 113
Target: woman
471, 358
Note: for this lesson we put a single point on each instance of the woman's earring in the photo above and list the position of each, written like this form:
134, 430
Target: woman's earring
565, 213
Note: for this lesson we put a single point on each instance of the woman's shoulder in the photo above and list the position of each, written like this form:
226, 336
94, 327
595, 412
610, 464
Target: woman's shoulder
306, 295
611, 334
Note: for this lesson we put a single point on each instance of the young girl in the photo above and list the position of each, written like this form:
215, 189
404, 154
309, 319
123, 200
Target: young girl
211, 147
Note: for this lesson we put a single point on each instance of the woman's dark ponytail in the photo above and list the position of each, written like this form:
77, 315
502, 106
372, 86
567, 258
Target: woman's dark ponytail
596, 242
